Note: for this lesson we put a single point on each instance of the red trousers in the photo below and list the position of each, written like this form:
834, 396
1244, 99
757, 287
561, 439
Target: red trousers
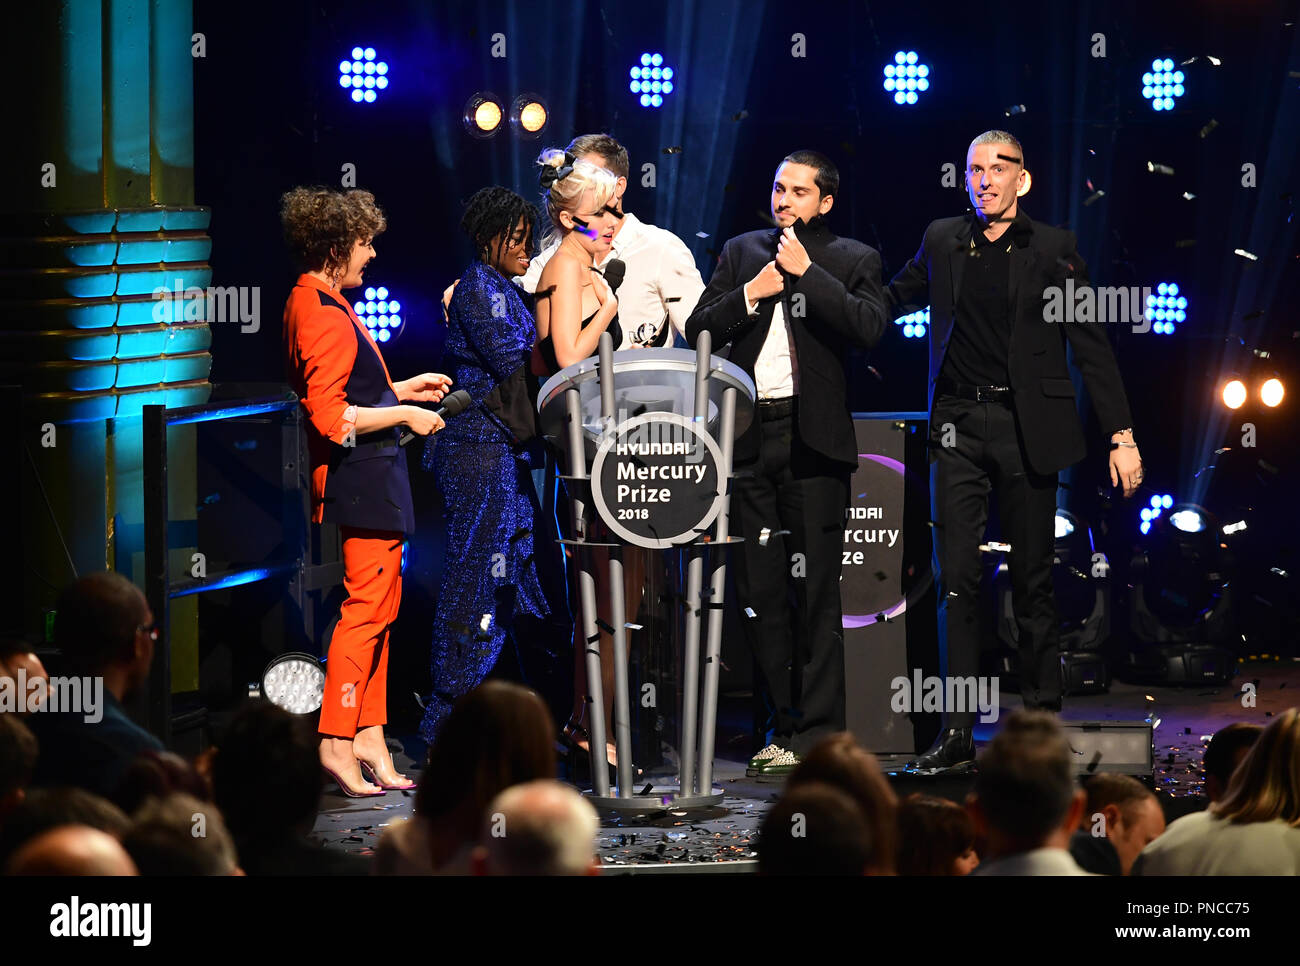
356, 672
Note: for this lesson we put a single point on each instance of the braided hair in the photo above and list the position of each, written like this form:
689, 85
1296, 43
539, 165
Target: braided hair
492, 214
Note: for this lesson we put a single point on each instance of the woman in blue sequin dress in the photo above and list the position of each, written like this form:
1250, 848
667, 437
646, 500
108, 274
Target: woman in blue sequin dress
481, 467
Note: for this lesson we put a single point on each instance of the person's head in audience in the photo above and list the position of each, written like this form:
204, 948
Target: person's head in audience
43, 809
180, 835
104, 627
157, 774
935, 837
19, 662
18, 751
1025, 797
266, 776
538, 828
840, 761
815, 829
496, 736
71, 850
1224, 753
1266, 785
1123, 810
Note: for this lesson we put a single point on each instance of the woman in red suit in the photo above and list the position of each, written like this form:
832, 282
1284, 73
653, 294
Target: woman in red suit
355, 416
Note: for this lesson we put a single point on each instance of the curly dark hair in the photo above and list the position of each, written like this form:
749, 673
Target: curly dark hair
492, 214
321, 224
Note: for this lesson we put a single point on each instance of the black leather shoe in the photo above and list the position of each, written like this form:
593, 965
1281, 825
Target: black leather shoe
955, 750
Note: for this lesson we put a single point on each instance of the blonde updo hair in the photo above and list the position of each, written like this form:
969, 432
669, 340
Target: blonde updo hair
565, 194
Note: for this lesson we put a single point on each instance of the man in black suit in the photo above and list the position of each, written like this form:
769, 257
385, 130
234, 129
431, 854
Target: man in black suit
1003, 416
790, 302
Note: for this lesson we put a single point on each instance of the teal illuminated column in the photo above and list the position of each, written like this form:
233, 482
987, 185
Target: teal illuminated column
101, 221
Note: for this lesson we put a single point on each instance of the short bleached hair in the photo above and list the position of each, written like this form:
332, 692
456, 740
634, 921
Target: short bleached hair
1000, 137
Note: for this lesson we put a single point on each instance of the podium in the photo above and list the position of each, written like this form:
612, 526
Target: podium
646, 439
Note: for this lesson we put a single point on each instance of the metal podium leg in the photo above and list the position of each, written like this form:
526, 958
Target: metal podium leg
713, 651
691, 670
694, 608
622, 713
595, 687
587, 597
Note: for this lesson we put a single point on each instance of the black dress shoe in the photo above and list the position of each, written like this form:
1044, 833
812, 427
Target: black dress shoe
955, 750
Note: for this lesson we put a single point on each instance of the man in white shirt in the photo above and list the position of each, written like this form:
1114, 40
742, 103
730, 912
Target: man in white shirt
791, 302
662, 283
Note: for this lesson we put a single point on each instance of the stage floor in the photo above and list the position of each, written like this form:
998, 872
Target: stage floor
724, 838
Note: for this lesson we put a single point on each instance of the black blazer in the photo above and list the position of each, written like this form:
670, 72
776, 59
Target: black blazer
1045, 405
842, 306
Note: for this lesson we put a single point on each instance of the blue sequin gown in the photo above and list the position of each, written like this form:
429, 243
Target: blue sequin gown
490, 576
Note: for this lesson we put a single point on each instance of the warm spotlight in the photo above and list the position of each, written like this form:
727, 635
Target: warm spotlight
528, 115
1234, 394
1271, 392
483, 114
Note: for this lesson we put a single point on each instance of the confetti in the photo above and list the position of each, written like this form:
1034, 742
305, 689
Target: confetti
1210, 126
701, 234
749, 612
1094, 197
740, 115
1015, 109
1188, 195
1155, 168
675, 149
1245, 254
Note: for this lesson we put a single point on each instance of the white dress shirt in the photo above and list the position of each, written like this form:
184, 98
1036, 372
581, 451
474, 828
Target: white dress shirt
776, 370
661, 280
1034, 862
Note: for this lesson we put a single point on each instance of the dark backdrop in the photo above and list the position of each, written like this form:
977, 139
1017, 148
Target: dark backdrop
269, 114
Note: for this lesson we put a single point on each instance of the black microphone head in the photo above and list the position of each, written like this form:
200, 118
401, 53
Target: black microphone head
614, 271
456, 403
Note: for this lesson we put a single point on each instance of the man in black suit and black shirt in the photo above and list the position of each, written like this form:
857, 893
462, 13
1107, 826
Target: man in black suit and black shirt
790, 301
1003, 416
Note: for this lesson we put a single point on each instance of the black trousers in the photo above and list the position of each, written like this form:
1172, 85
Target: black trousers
986, 453
791, 581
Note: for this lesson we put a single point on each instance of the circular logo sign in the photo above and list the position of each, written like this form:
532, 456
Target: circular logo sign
656, 480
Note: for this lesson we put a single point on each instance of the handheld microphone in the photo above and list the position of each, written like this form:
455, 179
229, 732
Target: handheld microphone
453, 405
614, 271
